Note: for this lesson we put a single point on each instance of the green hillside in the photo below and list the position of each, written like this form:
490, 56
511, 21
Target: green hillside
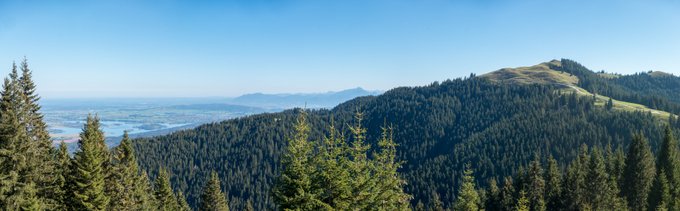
496, 127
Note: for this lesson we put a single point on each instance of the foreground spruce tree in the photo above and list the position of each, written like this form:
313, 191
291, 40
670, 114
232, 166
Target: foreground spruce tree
182, 202
638, 173
553, 185
89, 168
144, 192
212, 198
667, 179
62, 174
41, 152
125, 178
27, 179
336, 175
468, 198
165, 198
293, 189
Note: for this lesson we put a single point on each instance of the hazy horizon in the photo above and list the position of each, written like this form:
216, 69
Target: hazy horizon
179, 49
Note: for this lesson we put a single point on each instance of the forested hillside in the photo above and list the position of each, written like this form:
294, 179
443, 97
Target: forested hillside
657, 91
494, 127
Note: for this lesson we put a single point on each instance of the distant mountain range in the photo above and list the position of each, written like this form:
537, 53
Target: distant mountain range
308, 100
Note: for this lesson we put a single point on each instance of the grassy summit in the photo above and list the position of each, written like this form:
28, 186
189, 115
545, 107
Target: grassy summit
543, 74
537, 74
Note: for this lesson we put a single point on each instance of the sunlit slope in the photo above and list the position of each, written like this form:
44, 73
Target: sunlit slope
544, 74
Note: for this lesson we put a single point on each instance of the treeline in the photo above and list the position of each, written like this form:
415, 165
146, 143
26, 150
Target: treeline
36, 176
598, 179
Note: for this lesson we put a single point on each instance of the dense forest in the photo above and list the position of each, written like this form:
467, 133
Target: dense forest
496, 129
462, 144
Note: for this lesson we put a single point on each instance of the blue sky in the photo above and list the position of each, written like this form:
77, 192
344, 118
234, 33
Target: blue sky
202, 48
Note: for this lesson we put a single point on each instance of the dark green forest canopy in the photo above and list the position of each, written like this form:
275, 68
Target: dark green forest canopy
495, 127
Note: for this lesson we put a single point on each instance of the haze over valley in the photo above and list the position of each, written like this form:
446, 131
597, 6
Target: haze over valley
144, 117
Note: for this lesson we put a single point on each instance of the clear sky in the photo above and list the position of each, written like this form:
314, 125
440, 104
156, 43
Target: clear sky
202, 48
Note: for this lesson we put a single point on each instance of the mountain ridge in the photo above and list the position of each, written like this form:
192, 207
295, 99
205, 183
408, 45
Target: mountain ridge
439, 128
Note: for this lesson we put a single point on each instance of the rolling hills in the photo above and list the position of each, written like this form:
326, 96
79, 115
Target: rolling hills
495, 122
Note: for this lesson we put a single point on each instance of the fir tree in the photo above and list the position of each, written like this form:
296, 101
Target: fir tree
42, 164
575, 181
493, 199
360, 167
16, 172
535, 185
553, 188
667, 166
165, 198
507, 194
599, 194
63, 166
638, 174
124, 177
660, 197
333, 175
389, 193
468, 198
522, 202
212, 198
182, 202
89, 168
144, 193
293, 189
435, 202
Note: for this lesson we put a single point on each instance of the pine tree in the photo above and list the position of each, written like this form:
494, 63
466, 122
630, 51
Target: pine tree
16, 172
124, 177
522, 202
212, 198
389, 193
667, 166
660, 197
144, 193
165, 198
62, 174
599, 194
42, 164
553, 188
575, 181
360, 167
182, 202
468, 198
293, 189
638, 174
332, 176
493, 199
615, 165
435, 202
89, 168
507, 194
535, 185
